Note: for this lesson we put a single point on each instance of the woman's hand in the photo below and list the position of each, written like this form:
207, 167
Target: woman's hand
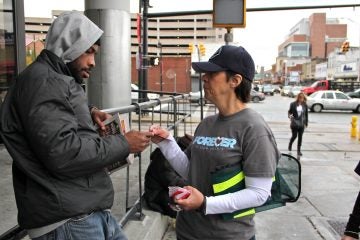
159, 133
194, 201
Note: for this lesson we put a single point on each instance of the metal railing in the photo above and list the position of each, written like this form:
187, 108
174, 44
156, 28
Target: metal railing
172, 111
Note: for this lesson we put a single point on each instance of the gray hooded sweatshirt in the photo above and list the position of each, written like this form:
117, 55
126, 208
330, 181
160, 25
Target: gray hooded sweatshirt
71, 35
59, 159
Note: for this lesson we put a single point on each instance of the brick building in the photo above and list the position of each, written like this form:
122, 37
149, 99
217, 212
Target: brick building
311, 38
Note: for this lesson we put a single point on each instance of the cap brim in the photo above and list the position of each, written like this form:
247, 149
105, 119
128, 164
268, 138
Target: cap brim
206, 67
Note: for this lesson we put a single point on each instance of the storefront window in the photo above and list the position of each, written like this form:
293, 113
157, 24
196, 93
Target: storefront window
7, 46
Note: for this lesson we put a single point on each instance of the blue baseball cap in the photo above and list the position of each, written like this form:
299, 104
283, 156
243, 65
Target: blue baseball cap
228, 58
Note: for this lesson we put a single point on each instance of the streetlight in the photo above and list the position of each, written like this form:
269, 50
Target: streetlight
161, 64
200, 83
284, 64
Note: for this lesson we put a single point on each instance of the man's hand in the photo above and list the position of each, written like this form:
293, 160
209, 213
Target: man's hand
194, 201
98, 117
138, 141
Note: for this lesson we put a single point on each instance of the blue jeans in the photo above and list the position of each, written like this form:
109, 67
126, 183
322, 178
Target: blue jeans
253, 238
99, 225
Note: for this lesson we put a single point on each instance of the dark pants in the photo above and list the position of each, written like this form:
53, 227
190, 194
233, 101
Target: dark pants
296, 132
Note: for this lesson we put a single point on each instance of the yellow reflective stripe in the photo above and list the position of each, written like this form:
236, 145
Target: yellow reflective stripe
273, 178
220, 187
249, 212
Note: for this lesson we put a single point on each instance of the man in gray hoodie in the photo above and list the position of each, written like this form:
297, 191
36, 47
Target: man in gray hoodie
61, 187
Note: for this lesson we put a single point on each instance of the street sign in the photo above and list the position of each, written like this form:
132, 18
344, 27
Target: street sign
229, 13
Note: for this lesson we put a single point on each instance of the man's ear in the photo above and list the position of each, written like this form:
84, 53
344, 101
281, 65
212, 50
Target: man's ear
236, 80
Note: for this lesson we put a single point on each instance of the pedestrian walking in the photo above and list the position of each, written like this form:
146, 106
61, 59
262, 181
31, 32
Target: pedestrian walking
298, 115
62, 188
233, 156
353, 226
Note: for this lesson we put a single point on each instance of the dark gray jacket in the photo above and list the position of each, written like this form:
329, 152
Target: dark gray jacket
292, 111
58, 157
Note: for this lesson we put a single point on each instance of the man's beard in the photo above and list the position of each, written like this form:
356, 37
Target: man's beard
75, 73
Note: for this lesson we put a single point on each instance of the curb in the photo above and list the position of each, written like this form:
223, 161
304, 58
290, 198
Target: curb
152, 227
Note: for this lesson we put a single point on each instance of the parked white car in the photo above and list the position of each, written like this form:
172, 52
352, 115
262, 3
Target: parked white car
294, 91
332, 100
285, 90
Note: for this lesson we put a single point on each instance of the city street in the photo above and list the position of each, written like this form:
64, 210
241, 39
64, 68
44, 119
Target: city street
274, 109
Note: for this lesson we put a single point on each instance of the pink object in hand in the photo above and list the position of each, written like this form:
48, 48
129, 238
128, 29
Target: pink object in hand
178, 193
158, 131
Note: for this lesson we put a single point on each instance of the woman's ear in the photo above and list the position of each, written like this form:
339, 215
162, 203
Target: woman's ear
236, 80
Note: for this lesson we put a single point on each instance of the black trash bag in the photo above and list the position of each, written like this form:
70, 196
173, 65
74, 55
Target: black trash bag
159, 176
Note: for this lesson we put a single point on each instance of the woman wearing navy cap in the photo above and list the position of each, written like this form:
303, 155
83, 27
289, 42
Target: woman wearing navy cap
232, 159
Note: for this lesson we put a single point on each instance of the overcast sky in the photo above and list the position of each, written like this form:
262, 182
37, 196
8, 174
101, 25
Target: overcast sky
264, 31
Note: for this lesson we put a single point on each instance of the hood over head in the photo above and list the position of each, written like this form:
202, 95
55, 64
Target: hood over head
70, 35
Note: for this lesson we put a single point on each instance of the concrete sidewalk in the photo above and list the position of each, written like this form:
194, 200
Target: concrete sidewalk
329, 187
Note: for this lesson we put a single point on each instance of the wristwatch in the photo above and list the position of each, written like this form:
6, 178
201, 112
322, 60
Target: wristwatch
92, 109
202, 208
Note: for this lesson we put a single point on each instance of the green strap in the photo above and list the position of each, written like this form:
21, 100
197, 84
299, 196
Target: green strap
234, 183
220, 187
246, 213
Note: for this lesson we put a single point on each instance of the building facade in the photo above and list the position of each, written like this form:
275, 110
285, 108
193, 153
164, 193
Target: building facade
311, 38
168, 40
344, 66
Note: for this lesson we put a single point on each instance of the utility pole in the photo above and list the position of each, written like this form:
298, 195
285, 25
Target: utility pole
200, 86
144, 70
161, 67
228, 36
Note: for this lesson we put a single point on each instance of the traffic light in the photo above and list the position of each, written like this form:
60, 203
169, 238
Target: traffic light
191, 47
345, 46
202, 49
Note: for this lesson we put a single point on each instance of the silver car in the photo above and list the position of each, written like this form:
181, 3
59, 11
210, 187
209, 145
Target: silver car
294, 91
257, 96
332, 100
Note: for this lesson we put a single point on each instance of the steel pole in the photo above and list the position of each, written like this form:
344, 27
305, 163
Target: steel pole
109, 85
200, 86
145, 64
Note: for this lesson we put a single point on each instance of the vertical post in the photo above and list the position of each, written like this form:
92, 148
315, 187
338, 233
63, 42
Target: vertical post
201, 98
175, 83
358, 79
109, 85
19, 22
161, 68
144, 70
353, 129
228, 36
200, 87
140, 72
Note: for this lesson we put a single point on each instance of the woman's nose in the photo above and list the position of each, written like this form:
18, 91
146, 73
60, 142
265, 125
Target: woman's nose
204, 77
